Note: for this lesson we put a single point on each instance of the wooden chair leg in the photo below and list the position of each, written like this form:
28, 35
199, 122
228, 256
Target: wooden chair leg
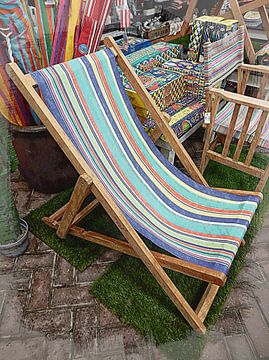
206, 301
263, 180
80, 192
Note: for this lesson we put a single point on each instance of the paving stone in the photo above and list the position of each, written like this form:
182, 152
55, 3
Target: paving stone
265, 223
33, 244
130, 337
22, 349
109, 256
22, 201
257, 329
229, 323
265, 269
5, 281
6, 263
85, 331
106, 317
42, 247
2, 300
239, 298
215, 350
263, 299
58, 348
261, 252
63, 272
20, 280
73, 295
37, 199
34, 261
262, 236
92, 273
240, 348
40, 289
49, 321
251, 274
11, 315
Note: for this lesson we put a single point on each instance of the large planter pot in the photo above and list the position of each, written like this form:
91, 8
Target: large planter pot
17, 248
41, 161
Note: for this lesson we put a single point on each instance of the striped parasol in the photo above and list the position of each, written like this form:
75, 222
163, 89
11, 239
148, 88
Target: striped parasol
75, 6
23, 44
60, 32
96, 13
43, 31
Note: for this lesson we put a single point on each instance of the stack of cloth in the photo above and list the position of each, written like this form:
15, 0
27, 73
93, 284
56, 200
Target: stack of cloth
132, 44
208, 29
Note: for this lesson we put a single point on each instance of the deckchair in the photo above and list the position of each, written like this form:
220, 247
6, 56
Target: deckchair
242, 120
89, 114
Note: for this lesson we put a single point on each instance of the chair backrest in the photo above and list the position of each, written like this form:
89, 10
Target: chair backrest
222, 57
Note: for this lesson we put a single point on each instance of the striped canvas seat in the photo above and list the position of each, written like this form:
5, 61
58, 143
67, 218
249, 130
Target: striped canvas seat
192, 222
223, 120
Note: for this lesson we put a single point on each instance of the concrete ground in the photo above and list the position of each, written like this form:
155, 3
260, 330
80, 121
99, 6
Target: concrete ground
46, 311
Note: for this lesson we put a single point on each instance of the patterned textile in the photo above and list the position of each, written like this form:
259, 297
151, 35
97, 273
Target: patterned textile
191, 221
154, 55
208, 29
165, 87
193, 75
185, 113
262, 56
196, 40
223, 57
223, 120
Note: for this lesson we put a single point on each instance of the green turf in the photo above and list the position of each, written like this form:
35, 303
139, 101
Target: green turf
78, 252
130, 292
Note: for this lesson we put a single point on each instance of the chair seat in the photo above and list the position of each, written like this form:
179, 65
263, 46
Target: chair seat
193, 222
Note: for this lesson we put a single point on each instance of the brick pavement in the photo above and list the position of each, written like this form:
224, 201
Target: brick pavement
46, 311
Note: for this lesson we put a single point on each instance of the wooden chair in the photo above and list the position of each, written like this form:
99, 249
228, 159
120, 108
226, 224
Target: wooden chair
237, 12
243, 119
89, 114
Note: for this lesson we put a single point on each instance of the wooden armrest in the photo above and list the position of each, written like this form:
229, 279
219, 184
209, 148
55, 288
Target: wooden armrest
258, 68
240, 99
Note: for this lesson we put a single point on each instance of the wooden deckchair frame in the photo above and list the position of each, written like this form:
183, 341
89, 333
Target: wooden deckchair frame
214, 97
65, 219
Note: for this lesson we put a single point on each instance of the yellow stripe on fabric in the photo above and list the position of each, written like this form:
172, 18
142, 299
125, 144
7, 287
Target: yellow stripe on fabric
143, 166
73, 22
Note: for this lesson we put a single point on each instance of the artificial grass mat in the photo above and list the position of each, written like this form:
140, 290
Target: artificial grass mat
127, 288
130, 292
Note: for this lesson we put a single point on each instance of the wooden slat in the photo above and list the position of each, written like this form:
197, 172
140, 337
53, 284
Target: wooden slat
243, 135
257, 68
166, 261
206, 301
241, 192
86, 211
241, 99
79, 194
256, 138
263, 180
156, 114
265, 19
188, 17
251, 170
230, 132
209, 130
247, 7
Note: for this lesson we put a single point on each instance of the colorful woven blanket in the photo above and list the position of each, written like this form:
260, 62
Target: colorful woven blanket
191, 221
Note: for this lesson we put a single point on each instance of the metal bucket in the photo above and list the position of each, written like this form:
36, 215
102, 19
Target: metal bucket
17, 248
